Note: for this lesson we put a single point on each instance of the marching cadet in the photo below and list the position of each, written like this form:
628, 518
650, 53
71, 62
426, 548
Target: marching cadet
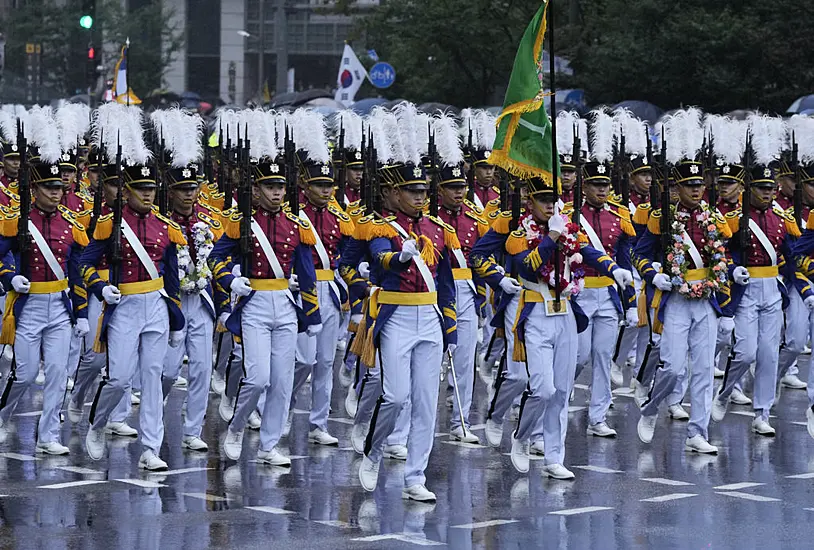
546, 332
760, 248
608, 229
351, 123
330, 228
687, 304
466, 220
142, 312
73, 122
8, 179
414, 321
266, 317
201, 229
39, 312
482, 124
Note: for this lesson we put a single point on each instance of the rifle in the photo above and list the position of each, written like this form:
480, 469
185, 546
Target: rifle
616, 177
341, 169
503, 184
363, 191
375, 184
666, 235
798, 186
116, 237
578, 184
98, 193
745, 234
160, 165
624, 173
470, 173
713, 186
291, 173
207, 160
245, 206
24, 188
226, 158
654, 190
433, 154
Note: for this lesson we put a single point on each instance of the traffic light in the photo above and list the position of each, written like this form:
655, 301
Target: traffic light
86, 21
87, 14
91, 53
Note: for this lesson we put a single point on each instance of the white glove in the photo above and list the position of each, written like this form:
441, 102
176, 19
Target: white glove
81, 328
727, 324
241, 286
510, 286
356, 318
809, 302
364, 270
500, 269
313, 330
409, 250
662, 282
556, 223
451, 349
623, 277
632, 317
656, 266
20, 284
111, 295
741, 275
176, 337
236, 271
222, 319
294, 283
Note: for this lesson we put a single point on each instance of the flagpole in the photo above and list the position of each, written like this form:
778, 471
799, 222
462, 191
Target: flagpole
554, 154
127, 67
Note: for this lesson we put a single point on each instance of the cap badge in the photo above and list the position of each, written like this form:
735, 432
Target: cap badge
694, 169
13, 146
358, 155
186, 173
145, 171
66, 156
600, 169
55, 170
726, 169
417, 172
566, 159
487, 154
325, 170
275, 168
719, 162
456, 172
767, 173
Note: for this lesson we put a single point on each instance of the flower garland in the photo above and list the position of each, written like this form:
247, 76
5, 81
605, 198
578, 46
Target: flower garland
196, 276
678, 257
573, 274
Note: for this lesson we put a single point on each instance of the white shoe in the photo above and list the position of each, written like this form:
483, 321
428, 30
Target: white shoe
233, 444
194, 443
450, 401
810, 421
74, 412
793, 381
520, 455
341, 345
698, 444
273, 458
254, 421
718, 408
180, 382
135, 398
351, 402
40, 379
52, 448
537, 448
718, 373
494, 433
218, 383
677, 412
149, 461
226, 408
737, 397
464, 436
286, 427
368, 474
121, 429
95, 443
396, 452
601, 429
616, 375
321, 437
640, 393
346, 376
418, 493
485, 370
762, 427
646, 427
358, 435
807, 350
69, 384
558, 471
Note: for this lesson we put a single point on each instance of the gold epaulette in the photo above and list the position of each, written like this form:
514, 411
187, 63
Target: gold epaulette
450, 237
345, 223
642, 214
104, 228
654, 222
501, 221
474, 206
624, 215
371, 227
231, 223
517, 243
306, 235
173, 230
212, 222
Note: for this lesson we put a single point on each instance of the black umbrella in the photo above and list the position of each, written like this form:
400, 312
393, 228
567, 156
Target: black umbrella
801, 104
432, 108
364, 106
642, 109
308, 95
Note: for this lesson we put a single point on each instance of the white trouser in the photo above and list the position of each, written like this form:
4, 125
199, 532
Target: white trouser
368, 391
197, 345
596, 345
551, 362
491, 345
137, 338
795, 334
464, 355
512, 378
91, 364
315, 356
758, 322
630, 337
690, 329
411, 344
43, 330
269, 326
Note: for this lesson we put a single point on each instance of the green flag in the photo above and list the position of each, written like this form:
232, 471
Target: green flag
523, 141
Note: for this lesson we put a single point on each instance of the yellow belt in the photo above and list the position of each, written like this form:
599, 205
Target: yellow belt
49, 287
407, 298
598, 282
696, 274
269, 284
141, 287
534, 297
763, 272
325, 275
461, 273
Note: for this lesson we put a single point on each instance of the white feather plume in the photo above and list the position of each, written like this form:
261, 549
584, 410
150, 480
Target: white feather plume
423, 123
351, 122
258, 126
8, 121
447, 140
227, 122
407, 117
73, 120
44, 133
601, 136
802, 126
768, 136
487, 129
635, 131
382, 141
121, 124
310, 134
467, 122
684, 133
728, 138
181, 132
390, 126
566, 120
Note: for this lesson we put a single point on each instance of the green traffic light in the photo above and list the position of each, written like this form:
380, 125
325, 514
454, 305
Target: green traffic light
86, 21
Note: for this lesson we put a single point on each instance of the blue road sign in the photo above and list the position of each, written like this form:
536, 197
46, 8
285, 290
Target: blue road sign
382, 75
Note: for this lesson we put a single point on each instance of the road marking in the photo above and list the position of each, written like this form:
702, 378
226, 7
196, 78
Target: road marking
477, 427
671, 496
299, 411
464, 445
206, 496
738, 486
72, 484
182, 471
482, 524
809, 475
748, 496
29, 413
403, 537
142, 483
576, 409
17, 456
80, 470
335, 523
269, 510
575, 511
599, 469
665, 481
800, 423
749, 414
581, 387
623, 392
342, 420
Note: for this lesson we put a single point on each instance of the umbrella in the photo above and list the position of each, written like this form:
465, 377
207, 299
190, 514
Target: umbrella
432, 108
364, 106
306, 96
642, 109
194, 96
801, 104
283, 99
326, 102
